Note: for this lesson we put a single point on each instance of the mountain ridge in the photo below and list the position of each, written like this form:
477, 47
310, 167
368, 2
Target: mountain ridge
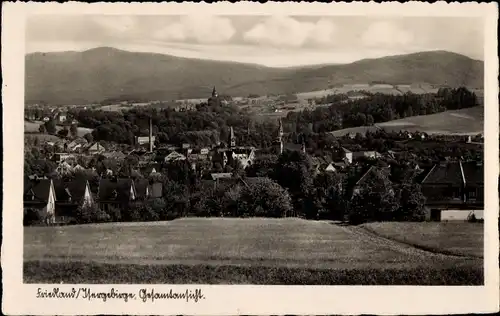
94, 75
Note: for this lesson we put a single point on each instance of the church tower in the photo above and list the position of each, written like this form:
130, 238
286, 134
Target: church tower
303, 138
214, 99
279, 138
232, 138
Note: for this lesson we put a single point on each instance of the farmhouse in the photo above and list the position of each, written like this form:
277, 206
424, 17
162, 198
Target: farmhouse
116, 193
69, 196
453, 186
39, 194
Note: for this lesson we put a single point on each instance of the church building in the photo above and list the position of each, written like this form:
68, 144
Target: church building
280, 145
244, 154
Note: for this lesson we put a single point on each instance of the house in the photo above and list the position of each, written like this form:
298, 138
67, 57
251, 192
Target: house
329, 167
118, 155
77, 144
39, 194
95, 148
70, 195
147, 190
198, 154
59, 117
372, 172
116, 193
64, 168
174, 156
454, 186
142, 189
78, 168
245, 155
145, 140
151, 169
61, 157
346, 154
366, 154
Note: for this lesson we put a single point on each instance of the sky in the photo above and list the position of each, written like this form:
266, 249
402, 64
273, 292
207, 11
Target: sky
275, 41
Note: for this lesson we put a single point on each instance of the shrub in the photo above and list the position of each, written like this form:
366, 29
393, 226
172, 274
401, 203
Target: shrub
33, 216
90, 214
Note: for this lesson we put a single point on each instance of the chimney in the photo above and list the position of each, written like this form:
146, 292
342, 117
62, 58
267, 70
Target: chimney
150, 135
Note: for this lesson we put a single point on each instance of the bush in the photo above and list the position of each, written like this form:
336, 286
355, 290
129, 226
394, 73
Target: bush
33, 216
91, 214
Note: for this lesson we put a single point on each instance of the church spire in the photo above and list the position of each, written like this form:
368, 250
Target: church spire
232, 138
214, 93
280, 137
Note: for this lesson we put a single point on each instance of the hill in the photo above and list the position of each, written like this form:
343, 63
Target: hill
101, 73
469, 121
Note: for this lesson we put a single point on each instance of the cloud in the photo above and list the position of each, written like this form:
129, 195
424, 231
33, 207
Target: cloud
286, 31
117, 25
202, 29
386, 34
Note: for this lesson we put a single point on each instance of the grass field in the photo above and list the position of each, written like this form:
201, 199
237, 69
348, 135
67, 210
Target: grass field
469, 121
459, 122
294, 251
453, 238
33, 127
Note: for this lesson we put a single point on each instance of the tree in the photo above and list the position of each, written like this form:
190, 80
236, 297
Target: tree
294, 172
50, 127
73, 130
89, 137
328, 198
90, 214
375, 200
411, 203
264, 198
262, 166
41, 128
32, 216
63, 133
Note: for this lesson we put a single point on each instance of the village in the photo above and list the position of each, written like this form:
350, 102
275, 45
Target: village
116, 175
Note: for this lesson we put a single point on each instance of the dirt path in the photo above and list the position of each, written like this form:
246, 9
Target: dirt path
400, 246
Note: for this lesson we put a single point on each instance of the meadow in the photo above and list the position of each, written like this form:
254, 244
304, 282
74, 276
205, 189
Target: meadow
454, 238
229, 251
33, 128
458, 122
469, 121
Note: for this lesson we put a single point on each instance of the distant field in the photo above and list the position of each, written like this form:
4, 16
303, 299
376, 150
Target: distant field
33, 127
459, 122
468, 121
304, 249
386, 89
453, 238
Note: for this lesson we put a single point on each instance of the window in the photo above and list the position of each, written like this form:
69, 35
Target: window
472, 194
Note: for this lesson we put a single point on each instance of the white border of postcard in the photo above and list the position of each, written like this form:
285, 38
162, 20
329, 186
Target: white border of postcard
20, 299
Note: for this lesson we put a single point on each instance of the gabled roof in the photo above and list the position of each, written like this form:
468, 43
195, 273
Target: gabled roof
74, 189
446, 173
175, 156
473, 172
365, 175
107, 188
39, 189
